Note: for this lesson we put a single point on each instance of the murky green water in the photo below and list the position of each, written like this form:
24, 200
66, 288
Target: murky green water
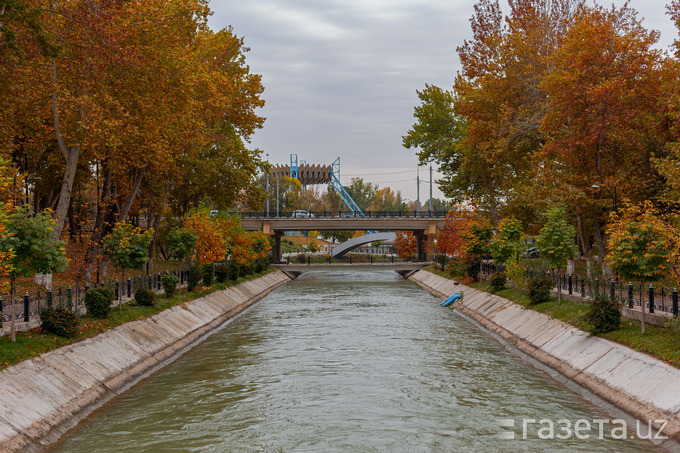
345, 361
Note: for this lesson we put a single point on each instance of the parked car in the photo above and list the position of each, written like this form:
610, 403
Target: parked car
532, 252
301, 214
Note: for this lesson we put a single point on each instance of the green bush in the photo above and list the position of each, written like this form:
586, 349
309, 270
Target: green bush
498, 281
59, 322
604, 315
98, 301
193, 277
221, 273
234, 271
472, 269
243, 270
144, 297
208, 274
170, 282
539, 289
261, 265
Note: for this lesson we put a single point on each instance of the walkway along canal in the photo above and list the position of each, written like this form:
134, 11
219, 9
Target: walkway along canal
342, 360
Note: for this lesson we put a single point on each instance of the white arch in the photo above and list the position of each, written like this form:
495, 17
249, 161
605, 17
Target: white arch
353, 243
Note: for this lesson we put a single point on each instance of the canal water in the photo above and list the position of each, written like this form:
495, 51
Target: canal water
349, 361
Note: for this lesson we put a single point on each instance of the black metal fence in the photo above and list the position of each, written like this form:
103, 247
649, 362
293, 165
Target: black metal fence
630, 294
341, 214
27, 307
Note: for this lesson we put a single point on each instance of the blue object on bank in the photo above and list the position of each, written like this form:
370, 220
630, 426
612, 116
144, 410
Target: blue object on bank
451, 300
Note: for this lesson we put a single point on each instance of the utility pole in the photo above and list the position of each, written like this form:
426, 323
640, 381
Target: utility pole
430, 189
277, 195
418, 192
268, 194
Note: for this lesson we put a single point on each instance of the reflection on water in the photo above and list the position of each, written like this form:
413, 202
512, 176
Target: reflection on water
342, 361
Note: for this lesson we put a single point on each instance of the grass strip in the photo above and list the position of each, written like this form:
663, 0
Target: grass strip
661, 343
34, 342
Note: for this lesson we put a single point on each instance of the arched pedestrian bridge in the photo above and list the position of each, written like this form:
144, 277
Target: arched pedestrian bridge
424, 226
347, 246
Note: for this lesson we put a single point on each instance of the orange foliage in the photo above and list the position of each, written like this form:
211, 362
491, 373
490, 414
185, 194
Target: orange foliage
211, 245
405, 244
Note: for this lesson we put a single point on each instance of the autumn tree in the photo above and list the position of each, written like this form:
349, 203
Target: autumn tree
28, 246
602, 122
181, 243
639, 245
406, 245
127, 247
556, 240
507, 244
211, 243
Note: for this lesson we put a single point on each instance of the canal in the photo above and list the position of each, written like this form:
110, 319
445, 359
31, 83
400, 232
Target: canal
348, 361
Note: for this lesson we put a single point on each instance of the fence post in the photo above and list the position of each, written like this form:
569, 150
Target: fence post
571, 284
392, 259
350, 259
181, 277
597, 286
129, 287
675, 302
152, 281
158, 281
309, 260
49, 298
630, 295
1, 311
117, 289
69, 294
583, 287
651, 298
26, 304
371, 259
612, 290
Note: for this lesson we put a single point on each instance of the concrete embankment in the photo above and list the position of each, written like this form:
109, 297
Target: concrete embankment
644, 387
40, 399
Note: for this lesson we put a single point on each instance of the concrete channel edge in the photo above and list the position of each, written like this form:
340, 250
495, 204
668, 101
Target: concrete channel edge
640, 385
43, 398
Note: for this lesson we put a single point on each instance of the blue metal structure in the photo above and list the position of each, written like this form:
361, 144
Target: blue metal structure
294, 166
335, 182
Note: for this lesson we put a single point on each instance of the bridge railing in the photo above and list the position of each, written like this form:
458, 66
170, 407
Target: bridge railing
340, 214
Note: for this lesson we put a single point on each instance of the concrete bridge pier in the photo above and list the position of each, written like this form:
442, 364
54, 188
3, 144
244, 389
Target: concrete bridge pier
425, 243
277, 247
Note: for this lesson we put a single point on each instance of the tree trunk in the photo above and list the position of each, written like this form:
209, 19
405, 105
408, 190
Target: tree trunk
103, 210
70, 154
139, 175
585, 244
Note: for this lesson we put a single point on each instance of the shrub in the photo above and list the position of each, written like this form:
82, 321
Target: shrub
193, 277
472, 269
234, 271
604, 315
59, 322
144, 297
221, 273
498, 281
170, 282
302, 259
261, 265
98, 301
517, 273
243, 270
539, 289
208, 274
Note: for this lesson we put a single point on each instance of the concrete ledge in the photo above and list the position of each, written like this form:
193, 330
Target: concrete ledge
642, 386
45, 397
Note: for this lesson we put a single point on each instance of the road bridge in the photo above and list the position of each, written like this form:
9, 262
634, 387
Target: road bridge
403, 268
424, 226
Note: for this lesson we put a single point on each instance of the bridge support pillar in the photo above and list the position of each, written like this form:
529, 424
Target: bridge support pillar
424, 245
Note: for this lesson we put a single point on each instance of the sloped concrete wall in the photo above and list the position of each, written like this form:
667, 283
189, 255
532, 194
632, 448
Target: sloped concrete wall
644, 387
40, 399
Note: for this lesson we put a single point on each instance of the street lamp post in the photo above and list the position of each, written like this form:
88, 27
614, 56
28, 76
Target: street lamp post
268, 194
596, 186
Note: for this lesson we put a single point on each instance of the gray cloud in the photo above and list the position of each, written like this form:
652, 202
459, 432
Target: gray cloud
341, 76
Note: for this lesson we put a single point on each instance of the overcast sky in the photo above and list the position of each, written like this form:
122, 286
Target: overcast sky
341, 76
